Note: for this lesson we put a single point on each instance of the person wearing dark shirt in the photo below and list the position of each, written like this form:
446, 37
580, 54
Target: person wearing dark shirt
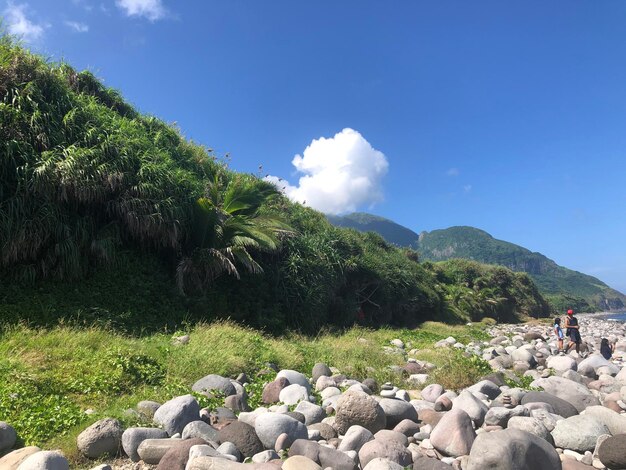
571, 323
606, 349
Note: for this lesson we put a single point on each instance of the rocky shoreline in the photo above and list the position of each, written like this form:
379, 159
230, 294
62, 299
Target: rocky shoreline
538, 410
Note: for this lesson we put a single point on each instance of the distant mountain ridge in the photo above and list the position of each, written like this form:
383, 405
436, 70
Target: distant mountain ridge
388, 229
564, 287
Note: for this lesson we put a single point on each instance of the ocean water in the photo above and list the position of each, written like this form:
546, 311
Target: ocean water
617, 316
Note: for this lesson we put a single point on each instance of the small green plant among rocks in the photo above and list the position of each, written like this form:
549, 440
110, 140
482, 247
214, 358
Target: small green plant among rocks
38, 410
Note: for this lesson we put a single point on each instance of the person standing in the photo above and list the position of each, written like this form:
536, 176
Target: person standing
559, 334
572, 331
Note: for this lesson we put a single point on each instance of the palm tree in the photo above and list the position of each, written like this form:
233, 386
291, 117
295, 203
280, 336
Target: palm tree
228, 226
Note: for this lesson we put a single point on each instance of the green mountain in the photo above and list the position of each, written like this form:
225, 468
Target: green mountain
563, 287
388, 229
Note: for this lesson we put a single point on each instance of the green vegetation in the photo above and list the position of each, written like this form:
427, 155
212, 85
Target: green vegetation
227, 225
562, 287
496, 292
56, 375
104, 211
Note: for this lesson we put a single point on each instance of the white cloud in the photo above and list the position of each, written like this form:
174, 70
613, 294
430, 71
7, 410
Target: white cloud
341, 174
453, 172
467, 188
150, 9
77, 27
19, 24
83, 4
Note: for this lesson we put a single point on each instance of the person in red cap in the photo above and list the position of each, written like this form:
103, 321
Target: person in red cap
571, 323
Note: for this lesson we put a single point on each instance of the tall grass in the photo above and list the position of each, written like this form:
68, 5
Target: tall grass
57, 374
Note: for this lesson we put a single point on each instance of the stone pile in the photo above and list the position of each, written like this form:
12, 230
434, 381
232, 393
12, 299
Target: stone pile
571, 416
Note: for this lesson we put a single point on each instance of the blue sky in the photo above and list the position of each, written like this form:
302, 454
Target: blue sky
507, 116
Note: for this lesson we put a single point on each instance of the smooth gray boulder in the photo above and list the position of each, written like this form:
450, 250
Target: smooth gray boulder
176, 458
312, 413
612, 452
220, 463
8, 436
486, 387
524, 355
13, 459
386, 449
573, 375
265, 456
292, 394
616, 422
229, 449
454, 434
548, 419
589, 366
295, 377
392, 435
382, 464
320, 369
407, 427
300, 462
500, 415
561, 364
560, 406
355, 438
238, 402
200, 429
177, 413
512, 449
530, 425
578, 433
151, 451
429, 463
133, 437
203, 450
576, 394
45, 460
268, 426
322, 455
214, 384
474, 407
148, 408
397, 411
325, 430
354, 407
102, 437
432, 392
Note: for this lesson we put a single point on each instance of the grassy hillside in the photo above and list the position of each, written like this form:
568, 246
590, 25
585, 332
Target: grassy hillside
110, 216
564, 287
389, 230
